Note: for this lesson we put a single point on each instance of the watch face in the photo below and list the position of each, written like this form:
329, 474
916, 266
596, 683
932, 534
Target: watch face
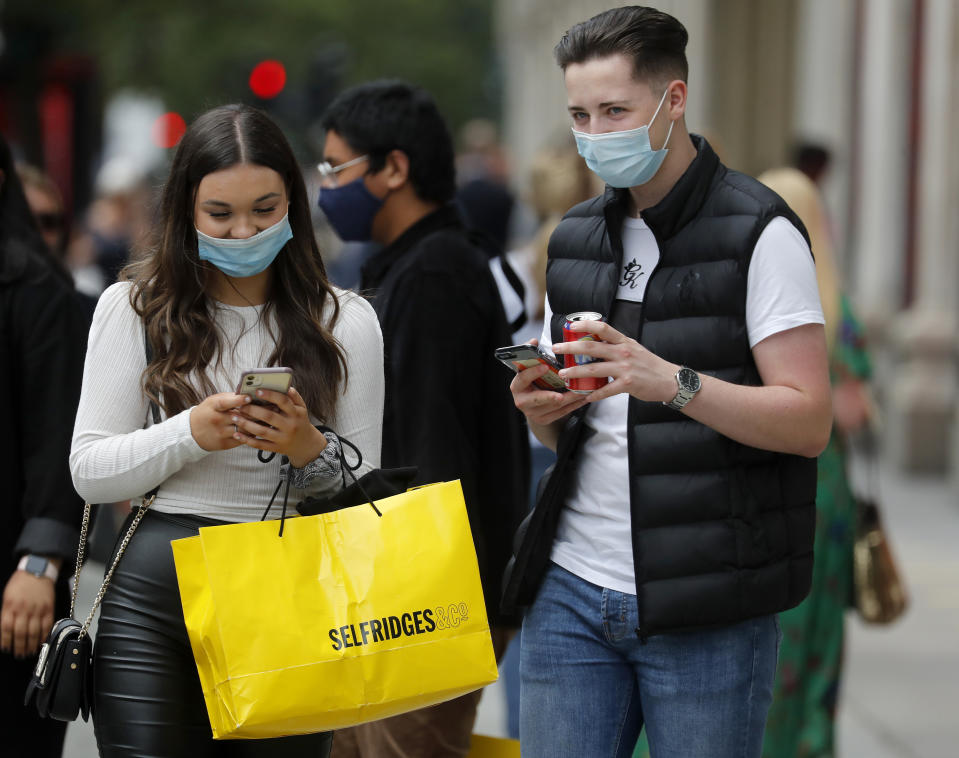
688, 380
36, 565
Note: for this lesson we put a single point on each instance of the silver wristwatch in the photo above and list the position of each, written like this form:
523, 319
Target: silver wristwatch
689, 384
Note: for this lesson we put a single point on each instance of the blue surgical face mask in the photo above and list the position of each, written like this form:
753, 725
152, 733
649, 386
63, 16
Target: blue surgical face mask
245, 257
623, 159
350, 209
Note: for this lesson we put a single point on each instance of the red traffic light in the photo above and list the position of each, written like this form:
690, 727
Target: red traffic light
268, 79
168, 129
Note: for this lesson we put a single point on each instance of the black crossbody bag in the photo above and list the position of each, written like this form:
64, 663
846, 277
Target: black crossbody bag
62, 684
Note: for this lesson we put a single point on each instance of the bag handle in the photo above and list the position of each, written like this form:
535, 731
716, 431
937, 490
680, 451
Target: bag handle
864, 444
106, 580
286, 494
344, 468
148, 500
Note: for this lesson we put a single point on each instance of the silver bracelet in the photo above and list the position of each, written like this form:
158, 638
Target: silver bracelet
325, 466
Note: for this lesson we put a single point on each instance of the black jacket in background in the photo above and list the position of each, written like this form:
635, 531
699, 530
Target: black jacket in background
42, 344
448, 407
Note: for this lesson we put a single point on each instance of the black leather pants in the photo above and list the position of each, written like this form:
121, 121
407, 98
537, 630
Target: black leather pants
148, 700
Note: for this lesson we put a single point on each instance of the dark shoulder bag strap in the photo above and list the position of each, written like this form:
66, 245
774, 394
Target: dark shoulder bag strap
154, 409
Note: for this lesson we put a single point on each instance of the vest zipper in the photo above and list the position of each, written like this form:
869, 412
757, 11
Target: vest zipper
642, 632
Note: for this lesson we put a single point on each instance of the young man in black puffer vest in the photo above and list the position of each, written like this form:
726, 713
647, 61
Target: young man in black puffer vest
679, 518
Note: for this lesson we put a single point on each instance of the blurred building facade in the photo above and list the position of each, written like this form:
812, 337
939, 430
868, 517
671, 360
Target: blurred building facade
876, 82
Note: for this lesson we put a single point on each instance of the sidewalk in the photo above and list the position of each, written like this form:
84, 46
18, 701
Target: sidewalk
901, 682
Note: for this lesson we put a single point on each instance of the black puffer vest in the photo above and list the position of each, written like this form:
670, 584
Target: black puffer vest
721, 531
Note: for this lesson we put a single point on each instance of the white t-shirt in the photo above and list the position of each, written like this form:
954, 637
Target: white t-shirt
593, 539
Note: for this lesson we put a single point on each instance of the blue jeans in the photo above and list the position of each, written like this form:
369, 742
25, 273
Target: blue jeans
589, 684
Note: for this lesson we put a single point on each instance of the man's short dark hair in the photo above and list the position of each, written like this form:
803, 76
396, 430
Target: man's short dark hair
653, 40
377, 117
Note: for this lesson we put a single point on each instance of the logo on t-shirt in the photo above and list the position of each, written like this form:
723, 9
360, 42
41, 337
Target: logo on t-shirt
640, 256
631, 273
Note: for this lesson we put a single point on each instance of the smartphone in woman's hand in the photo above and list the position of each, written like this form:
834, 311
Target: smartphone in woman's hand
277, 378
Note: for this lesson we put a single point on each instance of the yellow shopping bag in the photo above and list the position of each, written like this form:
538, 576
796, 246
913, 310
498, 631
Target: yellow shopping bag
493, 747
348, 617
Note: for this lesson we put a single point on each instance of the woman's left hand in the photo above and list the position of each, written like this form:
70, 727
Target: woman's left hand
283, 428
851, 405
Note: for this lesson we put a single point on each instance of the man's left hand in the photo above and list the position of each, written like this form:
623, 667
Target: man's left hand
27, 615
630, 366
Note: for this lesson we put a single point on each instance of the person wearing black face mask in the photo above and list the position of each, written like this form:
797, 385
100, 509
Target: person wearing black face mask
389, 177
46, 203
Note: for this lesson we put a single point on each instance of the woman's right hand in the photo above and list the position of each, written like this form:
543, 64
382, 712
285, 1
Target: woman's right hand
211, 422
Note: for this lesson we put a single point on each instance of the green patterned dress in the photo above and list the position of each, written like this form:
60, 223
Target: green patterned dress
802, 717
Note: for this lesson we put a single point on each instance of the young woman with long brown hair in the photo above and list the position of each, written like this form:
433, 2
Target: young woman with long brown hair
235, 281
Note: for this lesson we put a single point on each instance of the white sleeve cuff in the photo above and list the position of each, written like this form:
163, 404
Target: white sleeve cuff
185, 436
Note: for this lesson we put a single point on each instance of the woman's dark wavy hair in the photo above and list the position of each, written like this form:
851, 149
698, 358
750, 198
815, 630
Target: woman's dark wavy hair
170, 282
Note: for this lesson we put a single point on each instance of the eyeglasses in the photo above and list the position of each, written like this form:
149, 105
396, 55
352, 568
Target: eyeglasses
328, 173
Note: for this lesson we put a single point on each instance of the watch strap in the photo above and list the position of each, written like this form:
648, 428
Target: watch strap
49, 570
679, 402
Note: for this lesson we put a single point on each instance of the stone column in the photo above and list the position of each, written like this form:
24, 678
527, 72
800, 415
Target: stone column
922, 414
878, 239
822, 111
752, 57
697, 16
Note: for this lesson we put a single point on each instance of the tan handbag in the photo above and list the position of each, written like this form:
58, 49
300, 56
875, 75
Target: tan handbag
879, 591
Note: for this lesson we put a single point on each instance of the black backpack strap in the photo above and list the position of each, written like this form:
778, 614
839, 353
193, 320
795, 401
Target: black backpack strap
154, 409
494, 252
519, 288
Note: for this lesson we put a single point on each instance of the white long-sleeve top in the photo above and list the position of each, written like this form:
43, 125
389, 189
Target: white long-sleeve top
117, 452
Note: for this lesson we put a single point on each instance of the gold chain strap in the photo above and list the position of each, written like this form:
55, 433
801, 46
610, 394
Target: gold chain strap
80, 551
106, 580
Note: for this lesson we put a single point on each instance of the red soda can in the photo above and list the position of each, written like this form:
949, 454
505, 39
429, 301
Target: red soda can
585, 384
